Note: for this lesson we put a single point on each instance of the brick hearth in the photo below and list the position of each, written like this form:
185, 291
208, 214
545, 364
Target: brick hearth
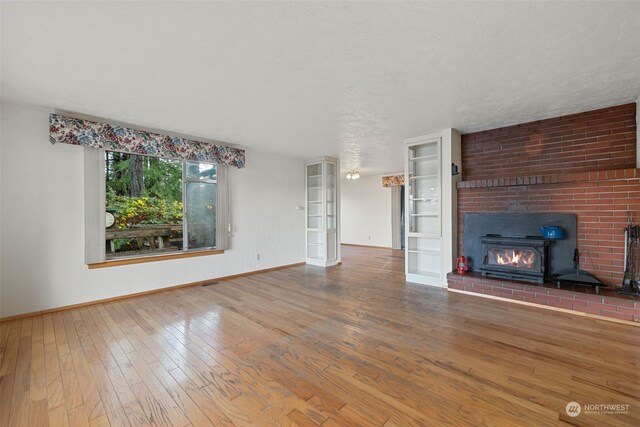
582, 164
584, 300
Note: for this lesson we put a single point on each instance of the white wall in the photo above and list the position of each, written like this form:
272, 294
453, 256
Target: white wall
42, 223
366, 211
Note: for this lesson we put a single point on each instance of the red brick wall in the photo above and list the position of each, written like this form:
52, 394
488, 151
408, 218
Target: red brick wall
498, 179
595, 140
601, 207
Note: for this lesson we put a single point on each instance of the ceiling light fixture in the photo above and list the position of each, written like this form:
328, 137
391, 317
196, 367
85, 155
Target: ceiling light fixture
353, 175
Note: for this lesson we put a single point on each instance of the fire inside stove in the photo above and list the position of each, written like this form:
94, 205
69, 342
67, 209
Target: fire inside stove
521, 258
512, 257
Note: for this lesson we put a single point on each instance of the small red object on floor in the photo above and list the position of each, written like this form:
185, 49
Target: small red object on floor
462, 265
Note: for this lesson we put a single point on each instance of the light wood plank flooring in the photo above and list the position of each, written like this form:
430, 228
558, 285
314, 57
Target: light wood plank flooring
350, 345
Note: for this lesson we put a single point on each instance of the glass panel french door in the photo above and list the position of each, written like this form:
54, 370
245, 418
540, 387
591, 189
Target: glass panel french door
200, 218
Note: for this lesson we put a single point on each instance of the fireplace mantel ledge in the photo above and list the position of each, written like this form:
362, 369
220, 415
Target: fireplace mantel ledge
632, 173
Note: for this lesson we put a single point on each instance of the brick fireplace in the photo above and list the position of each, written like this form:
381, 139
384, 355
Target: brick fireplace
582, 164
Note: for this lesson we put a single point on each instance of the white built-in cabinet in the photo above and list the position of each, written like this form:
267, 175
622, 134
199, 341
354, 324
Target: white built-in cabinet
322, 212
430, 206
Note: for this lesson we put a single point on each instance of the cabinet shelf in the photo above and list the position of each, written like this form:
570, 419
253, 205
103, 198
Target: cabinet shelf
424, 199
423, 176
429, 157
425, 273
424, 251
314, 188
423, 235
425, 215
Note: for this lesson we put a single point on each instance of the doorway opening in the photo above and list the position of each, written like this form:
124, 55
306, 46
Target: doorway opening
397, 217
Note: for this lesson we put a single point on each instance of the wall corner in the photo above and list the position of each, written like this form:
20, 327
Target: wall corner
638, 133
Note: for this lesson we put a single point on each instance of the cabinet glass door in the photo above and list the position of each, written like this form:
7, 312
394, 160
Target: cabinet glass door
315, 237
424, 189
314, 196
331, 195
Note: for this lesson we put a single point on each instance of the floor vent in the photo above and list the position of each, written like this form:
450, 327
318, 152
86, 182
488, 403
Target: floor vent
211, 283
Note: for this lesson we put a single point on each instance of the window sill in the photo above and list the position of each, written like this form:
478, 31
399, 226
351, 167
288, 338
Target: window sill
152, 258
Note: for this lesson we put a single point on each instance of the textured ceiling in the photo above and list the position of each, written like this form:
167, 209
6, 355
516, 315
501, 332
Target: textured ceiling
309, 79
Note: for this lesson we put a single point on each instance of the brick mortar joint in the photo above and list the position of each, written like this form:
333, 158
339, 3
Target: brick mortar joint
528, 180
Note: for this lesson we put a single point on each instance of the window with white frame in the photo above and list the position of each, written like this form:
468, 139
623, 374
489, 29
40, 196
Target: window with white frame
148, 189
155, 206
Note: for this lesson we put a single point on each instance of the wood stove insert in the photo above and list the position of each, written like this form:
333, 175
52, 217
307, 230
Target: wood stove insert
519, 258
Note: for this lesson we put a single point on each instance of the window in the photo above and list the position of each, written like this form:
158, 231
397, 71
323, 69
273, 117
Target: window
156, 206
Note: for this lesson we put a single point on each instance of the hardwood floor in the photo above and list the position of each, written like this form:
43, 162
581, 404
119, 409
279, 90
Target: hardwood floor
349, 345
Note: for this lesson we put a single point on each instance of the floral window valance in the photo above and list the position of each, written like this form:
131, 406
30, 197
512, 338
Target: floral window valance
69, 130
393, 180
